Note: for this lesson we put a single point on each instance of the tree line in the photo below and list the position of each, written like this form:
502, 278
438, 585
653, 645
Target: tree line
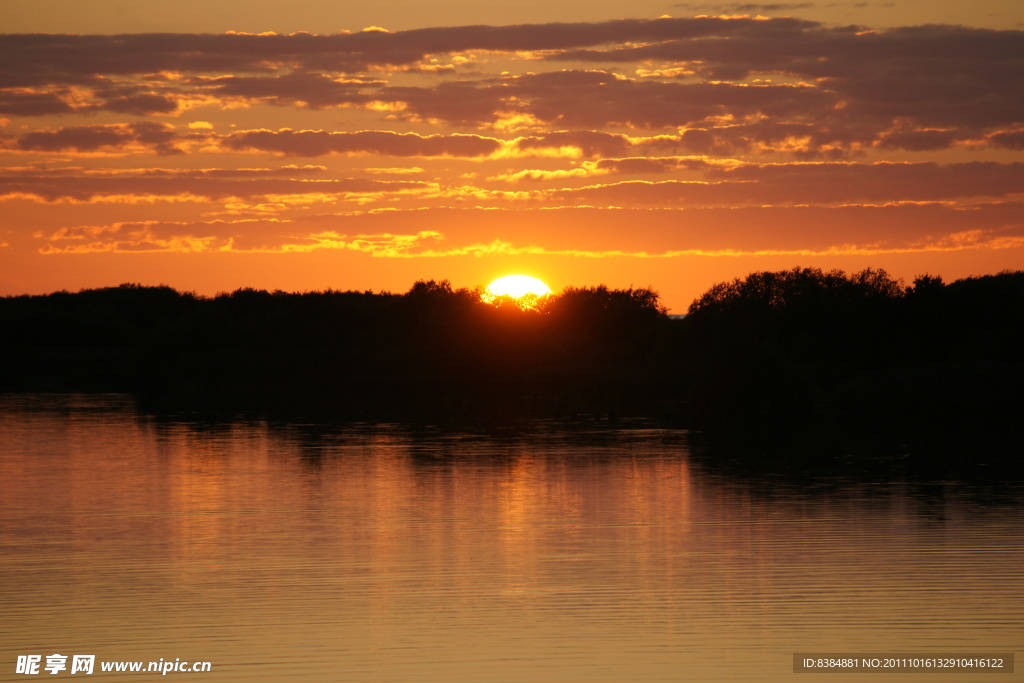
769, 355
433, 343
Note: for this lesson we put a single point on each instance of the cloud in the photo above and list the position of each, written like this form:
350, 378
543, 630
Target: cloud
811, 183
308, 90
734, 83
288, 171
873, 77
640, 139
245, 235
877, 182
27, 102
631, 166
74, 186
141, 105
770, 7
713, 182
45, 59
744, 7
180, 236
595, 99
39, 102
693, 181
580, 142
433, 233
146, 134
314, 143
1008, 139
571, 144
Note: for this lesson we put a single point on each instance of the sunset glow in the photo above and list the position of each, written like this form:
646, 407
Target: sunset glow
528, 341
304, 152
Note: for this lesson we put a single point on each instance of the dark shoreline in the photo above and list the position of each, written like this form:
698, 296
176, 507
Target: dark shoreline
778, 365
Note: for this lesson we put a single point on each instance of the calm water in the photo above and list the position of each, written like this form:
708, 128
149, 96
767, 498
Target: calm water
380, 553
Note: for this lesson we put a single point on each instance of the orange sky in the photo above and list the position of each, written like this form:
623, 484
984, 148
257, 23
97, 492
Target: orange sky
235, 149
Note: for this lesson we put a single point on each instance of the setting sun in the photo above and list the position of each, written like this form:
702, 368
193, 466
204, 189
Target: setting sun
517, 287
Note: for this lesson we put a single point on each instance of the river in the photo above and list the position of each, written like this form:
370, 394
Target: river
312, 551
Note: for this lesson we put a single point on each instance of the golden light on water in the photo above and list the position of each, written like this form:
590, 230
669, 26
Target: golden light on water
520, 287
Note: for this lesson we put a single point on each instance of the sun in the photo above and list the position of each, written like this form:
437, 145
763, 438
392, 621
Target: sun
520, 287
